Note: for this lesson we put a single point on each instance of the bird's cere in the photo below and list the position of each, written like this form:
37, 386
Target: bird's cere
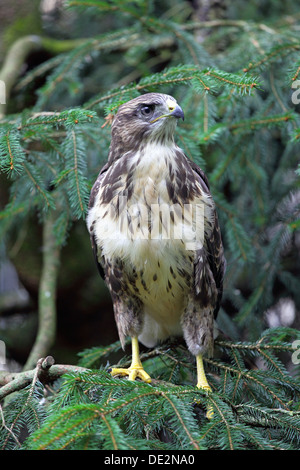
175, 111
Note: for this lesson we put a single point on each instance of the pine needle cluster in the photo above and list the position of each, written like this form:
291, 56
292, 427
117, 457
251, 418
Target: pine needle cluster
242, 126
252, 408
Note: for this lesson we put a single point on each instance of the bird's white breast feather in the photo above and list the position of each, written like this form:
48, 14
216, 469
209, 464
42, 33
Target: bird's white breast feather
119, 239
146, 250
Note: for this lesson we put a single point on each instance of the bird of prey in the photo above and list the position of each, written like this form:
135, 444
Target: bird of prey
155, 235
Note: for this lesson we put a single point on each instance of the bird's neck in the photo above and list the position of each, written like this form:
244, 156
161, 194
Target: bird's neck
155, 145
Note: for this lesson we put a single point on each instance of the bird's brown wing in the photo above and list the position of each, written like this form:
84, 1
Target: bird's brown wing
214, 252
94, 192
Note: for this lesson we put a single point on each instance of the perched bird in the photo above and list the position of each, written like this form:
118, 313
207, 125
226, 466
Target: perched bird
155, 234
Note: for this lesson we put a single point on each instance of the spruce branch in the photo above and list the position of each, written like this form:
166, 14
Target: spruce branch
276, 51
263, 122
12, 154
295, 72
8, 429
91, 400
206, 80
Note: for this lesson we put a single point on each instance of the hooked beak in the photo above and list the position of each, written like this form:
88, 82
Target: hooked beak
175, 111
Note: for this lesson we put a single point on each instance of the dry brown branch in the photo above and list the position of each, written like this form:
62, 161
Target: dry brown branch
45, 371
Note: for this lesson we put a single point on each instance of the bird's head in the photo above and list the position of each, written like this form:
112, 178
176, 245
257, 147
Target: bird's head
150, 117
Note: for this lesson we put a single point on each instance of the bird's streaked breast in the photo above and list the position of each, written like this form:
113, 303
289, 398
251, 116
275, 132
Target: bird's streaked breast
149, 227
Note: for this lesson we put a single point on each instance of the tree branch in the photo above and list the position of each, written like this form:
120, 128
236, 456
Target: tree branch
45, 371
13, 62
47, 294
19, 51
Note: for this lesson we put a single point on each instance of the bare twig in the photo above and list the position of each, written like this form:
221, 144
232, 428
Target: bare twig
45, 371
10, 432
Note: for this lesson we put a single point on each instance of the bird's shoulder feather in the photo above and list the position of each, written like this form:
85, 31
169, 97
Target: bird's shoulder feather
214, 252
94, 192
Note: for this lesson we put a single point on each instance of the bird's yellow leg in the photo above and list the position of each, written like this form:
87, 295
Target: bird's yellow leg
202, 382
201, 377
136, 369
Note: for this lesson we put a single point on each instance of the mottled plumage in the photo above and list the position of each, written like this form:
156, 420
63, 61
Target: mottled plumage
154, 230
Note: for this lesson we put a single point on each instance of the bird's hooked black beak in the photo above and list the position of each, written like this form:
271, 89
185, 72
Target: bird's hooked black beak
177, 113
174, 111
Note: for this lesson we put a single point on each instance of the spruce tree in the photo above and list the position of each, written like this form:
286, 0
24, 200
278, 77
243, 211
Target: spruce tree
237, 80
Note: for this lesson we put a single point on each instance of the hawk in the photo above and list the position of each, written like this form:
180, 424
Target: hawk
155, 235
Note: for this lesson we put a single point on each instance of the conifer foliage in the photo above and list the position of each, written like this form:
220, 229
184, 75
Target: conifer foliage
235, 80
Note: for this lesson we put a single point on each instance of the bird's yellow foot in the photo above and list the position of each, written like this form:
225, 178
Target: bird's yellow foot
210, 410
136, 370
203, 384
133, 372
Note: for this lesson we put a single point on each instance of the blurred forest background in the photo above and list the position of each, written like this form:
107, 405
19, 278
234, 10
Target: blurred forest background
245, 137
